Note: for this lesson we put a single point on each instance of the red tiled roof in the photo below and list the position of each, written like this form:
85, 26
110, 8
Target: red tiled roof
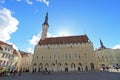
24, 53
3, 43
64, 40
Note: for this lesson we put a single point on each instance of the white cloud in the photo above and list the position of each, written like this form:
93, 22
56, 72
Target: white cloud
116, 46
30, 50
14, 46
2, 1
44, 1
29, 2
8, 24
37, 37
50, 35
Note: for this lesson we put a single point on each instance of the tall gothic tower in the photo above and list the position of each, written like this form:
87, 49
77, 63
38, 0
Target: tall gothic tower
45, 26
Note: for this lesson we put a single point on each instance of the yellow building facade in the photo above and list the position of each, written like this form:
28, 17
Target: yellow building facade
10, 58
6, 56
67, 53
26, 61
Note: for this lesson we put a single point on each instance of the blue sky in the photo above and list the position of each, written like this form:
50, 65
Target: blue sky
96, 18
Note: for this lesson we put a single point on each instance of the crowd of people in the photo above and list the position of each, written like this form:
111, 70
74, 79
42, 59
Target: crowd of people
106, 68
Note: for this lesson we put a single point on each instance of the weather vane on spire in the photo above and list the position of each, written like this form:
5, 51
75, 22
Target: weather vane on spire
46, 18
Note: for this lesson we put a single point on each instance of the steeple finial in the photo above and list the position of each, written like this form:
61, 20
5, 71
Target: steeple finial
46, 19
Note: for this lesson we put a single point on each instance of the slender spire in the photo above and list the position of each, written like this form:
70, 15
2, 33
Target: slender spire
46, 19
45, 26
101, 45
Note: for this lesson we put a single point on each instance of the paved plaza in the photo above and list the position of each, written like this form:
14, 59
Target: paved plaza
91, 75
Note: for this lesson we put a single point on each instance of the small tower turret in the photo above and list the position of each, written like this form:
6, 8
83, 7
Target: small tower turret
45, 26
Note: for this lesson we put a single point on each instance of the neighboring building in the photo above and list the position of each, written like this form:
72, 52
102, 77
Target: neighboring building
17, 62
107, 57
6, 56
14, 61
10, 59
68, 53
26, 61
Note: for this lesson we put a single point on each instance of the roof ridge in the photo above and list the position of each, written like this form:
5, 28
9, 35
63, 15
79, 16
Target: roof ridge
4, 43
64, 40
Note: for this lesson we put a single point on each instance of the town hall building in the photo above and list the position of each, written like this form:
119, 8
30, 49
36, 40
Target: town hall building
66, 53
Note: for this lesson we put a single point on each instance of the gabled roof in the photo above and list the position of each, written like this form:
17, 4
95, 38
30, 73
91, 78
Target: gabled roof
3, 43
24, 53
64, 40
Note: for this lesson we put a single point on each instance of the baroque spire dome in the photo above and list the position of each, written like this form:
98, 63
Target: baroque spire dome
102, 45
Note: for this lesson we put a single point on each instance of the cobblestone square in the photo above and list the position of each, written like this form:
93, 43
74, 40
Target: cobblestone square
91, 75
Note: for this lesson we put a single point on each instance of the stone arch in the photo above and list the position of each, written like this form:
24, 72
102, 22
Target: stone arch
86, 68
34, 67
92, 66
46, 66
53, 67
73, 67
103, 66
80, 67
59, 64
40, 67
66, 67
59, 67
66, 64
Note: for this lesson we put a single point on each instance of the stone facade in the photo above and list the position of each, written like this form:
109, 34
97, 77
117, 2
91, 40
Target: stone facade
65, 57
68, 53
108, 57
26, 61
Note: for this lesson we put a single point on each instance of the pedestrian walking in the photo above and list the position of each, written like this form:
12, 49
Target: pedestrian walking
14, 72
117, 68
19, 73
